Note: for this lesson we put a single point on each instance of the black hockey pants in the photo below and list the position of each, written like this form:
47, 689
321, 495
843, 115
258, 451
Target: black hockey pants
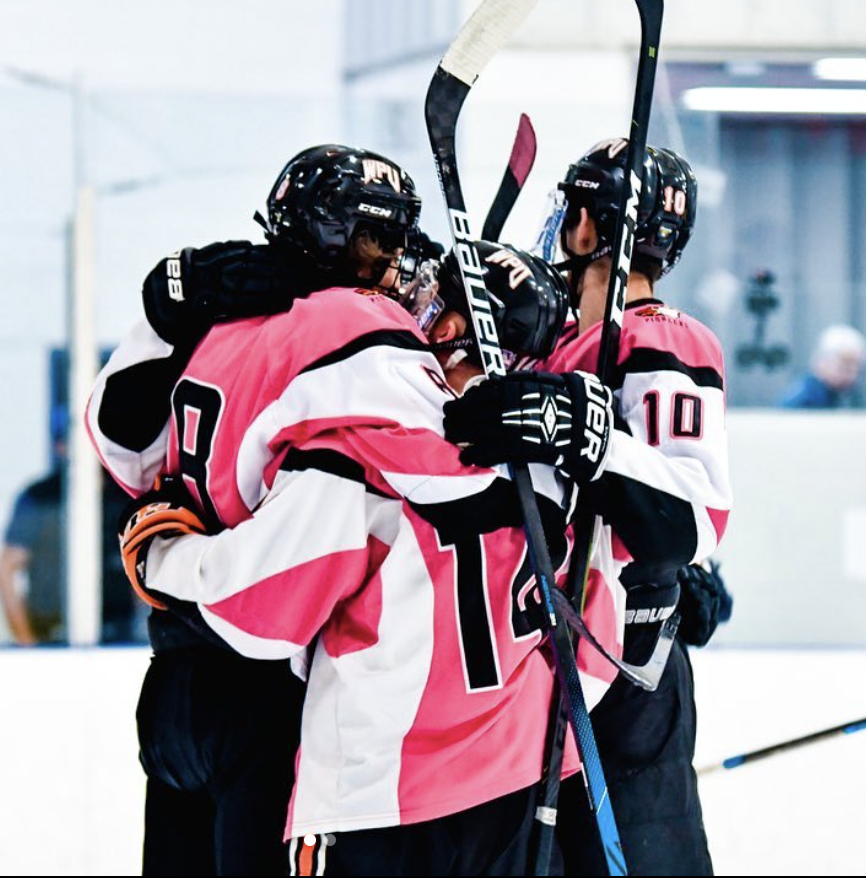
218, 736
647, 742
489, 839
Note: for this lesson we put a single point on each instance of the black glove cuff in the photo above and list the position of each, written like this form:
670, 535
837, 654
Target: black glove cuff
166, 296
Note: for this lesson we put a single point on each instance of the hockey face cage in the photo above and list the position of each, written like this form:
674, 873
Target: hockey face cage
528, 298
421, 296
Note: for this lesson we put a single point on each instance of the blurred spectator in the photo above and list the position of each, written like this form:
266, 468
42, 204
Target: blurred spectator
837, 363
33, 549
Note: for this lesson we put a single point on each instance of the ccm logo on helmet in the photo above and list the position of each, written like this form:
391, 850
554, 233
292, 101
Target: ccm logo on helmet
375, 171
172, 270
596, 417
375, 210
585, 184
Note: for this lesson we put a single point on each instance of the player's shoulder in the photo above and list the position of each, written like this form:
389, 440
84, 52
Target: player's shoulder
652, 326
328, 327
352, 312
342, 319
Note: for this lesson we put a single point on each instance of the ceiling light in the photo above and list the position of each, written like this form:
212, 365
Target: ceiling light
851, 69
791, 101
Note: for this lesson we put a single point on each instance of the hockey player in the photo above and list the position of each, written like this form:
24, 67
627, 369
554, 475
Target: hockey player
663, 498
407, 568
218, 731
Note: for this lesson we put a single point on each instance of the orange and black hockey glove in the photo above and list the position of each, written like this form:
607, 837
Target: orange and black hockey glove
166, 511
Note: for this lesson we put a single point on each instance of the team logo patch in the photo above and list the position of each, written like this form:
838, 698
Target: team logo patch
659, 311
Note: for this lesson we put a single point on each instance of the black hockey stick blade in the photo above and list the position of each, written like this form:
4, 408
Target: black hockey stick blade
646, 676
857, 725
520, 164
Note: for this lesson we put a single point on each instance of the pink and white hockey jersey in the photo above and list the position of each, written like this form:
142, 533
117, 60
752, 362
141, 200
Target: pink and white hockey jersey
664, 497
402, 570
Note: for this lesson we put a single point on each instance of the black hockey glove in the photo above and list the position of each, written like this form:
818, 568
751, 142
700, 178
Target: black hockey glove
191, 290
704, 602
535, 417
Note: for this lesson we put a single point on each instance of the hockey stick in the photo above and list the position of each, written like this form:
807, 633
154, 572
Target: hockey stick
520, 164
651, 12
858, 725
486, 31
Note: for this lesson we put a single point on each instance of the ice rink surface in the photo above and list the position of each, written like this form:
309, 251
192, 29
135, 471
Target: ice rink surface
800, 812
73, 793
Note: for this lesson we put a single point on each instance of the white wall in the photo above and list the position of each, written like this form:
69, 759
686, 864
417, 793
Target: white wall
700, 25
273, 47
798, 813
71, 791
198, 102
794, 555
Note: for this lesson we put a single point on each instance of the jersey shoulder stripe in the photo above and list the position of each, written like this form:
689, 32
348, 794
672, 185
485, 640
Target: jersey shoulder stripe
327, 460
334, 324
654, 360
394, 338
654, 338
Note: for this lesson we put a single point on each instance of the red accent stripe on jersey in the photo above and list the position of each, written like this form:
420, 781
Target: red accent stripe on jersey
294, 604
719, 518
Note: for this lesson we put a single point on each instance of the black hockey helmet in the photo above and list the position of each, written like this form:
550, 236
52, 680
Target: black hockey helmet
327, 196
666, 210
528, 297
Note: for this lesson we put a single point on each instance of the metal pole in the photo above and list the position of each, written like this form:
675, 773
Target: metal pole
83, 498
